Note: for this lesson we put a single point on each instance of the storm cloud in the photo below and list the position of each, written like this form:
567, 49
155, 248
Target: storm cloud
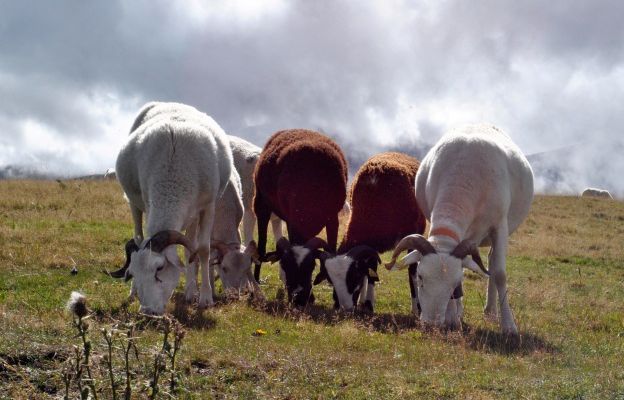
373, 75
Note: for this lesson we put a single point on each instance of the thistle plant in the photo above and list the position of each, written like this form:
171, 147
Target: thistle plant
77, 305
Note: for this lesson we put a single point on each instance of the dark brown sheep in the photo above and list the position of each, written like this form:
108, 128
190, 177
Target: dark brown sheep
384, 207
383, 203
301, 176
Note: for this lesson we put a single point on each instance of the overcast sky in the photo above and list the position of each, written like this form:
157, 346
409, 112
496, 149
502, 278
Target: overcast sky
372, 74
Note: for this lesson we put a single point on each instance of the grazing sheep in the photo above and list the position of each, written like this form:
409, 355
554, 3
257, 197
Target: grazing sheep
593, 192
174, 167
297, 262
232, 258
476, 187
353, 276
383, 210
246, 156
301, 176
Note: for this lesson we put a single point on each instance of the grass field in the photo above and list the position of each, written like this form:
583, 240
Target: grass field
565, 276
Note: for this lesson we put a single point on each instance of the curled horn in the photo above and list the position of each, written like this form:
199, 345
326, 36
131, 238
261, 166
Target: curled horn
282, 244
363, 251
466, 247
131, 247
163, 239
316, 243
417, 242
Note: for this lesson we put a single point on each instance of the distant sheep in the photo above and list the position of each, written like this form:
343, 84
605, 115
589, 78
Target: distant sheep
476, 187
593, 192
383, 210
301, 176
174, 167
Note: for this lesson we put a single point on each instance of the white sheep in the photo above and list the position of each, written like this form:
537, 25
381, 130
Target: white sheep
246, 156
232, 258
174, 167
475, 187
593, 192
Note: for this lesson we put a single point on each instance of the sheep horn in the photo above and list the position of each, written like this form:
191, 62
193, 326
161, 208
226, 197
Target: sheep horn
131, 247
163, 239
282, 244
221, 247
316, 243
417, 242
466, 247
363, 251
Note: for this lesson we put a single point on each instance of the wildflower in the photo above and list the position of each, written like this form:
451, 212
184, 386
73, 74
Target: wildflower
77, 304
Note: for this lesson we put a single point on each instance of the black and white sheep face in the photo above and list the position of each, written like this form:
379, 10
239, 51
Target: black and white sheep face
346, 279
437, 276
349, 277
154, 278
296, 267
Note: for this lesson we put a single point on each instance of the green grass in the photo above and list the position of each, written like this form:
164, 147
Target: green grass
565, 276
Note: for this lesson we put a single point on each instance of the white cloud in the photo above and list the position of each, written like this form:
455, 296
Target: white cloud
370, 74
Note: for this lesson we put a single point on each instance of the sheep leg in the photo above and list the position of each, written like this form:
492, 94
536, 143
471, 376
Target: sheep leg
263, 213
332, 232
206, 222
190, 290
137, 218
490, 305
497, 272
255, 288
249, 221
276, 227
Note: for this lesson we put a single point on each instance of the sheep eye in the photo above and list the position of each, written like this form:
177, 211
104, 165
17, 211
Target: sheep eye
156, 274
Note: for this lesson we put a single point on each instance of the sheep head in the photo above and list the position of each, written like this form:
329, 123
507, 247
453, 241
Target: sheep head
297, 264
155, 268
234, 263
438, 275
346, 273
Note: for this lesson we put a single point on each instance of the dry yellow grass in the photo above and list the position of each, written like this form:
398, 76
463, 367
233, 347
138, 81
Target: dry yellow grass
566, 284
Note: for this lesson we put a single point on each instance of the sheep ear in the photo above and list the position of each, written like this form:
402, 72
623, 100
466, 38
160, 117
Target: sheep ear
272, 257
468, 263
412, 258
252, 250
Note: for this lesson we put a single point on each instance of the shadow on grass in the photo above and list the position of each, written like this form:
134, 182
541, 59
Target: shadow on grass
497, 342
480, 339
189, 315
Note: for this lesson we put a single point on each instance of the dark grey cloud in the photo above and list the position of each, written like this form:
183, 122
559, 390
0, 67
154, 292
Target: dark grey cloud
373, 75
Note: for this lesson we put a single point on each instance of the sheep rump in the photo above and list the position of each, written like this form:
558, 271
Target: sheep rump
383, 203
301, 176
